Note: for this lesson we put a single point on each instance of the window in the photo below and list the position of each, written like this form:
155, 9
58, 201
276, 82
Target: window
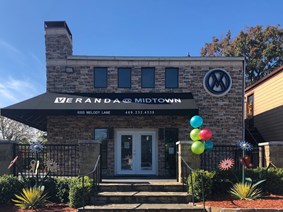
148, 78
101, 134
100, 77
124, 77
171, 77
250, 106
171, 137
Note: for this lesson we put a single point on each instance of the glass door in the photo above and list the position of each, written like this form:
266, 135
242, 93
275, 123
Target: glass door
146, 152
146, 156
126, 152
136, 153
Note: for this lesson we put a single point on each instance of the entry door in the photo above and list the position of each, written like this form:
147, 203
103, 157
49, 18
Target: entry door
136, 152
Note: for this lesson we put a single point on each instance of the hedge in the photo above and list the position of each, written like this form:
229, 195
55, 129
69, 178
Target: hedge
220, 182
60, 190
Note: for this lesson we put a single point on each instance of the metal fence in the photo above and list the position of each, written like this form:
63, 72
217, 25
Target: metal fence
65, 157
210, 160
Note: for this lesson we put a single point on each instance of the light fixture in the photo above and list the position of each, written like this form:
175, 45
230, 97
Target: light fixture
69, 69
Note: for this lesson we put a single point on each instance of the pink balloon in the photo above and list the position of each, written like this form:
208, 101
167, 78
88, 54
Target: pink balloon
205, 134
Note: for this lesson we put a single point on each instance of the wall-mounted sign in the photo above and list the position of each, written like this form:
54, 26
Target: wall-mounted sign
217, 82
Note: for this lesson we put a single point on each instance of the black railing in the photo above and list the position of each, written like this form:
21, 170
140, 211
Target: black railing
65, 157
187, 175
96, 178
186, 172
253, 136
210, 160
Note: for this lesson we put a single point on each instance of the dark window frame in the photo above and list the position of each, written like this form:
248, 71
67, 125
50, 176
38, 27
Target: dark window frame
144, 68
178, 74
124, 68
103, 152
106, 77
250, 101
170, 159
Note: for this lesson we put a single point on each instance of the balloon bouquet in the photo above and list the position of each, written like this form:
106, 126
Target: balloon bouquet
200, 136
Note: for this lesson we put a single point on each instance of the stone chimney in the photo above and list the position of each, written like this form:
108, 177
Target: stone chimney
58, 40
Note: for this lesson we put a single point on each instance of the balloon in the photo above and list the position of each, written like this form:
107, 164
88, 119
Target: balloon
205, 134
197, 147
194, 134
196, 121
208, 145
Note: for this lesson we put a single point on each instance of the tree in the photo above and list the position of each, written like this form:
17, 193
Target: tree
262, 49
15, 131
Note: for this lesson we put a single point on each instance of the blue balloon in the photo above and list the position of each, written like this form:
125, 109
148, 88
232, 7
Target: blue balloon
196, 121
208, 145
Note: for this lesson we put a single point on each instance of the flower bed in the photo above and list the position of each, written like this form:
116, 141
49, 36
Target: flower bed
269, 201
50, 207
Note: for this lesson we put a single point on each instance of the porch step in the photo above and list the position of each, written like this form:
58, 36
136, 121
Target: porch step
173, 187
142, 197
142, 208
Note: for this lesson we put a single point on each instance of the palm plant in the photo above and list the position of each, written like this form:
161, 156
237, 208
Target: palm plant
246, 190
34, 197
31, 198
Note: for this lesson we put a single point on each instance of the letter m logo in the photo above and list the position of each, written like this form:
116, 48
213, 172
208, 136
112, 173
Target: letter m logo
60, 100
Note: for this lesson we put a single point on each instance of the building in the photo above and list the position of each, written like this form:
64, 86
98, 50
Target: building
264, 115
139, 107
264, 106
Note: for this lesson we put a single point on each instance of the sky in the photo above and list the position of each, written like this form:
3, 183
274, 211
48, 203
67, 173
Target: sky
116, 28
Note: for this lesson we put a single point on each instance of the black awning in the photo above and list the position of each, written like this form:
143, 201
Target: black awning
34, 111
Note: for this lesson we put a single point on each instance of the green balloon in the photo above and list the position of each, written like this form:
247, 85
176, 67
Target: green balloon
197, 147
194, 134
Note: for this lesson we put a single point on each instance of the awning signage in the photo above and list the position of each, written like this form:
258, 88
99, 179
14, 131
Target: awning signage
66, 100
35, 111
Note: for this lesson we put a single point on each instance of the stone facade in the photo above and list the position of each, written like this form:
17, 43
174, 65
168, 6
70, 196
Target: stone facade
88, 152
223, 115
71, 129
192, 160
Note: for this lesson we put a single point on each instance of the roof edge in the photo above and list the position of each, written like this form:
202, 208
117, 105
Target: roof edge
265, 78
159, 58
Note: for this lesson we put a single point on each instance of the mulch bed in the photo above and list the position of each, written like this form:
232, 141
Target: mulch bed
50, 207
268, 201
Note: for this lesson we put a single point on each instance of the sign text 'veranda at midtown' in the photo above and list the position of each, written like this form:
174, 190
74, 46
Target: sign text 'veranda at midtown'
69, 100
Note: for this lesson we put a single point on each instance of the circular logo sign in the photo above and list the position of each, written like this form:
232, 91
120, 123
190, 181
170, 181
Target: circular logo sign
217, 82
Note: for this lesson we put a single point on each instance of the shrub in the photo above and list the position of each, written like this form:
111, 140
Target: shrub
208, 179
63, 189
275, 181
9, 186
246, 191
78, 195
31, 198
273, 177
226, 179
50, 185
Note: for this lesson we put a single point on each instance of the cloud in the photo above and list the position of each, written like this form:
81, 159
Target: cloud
38, 61
10, 47
13, 91
6, 93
